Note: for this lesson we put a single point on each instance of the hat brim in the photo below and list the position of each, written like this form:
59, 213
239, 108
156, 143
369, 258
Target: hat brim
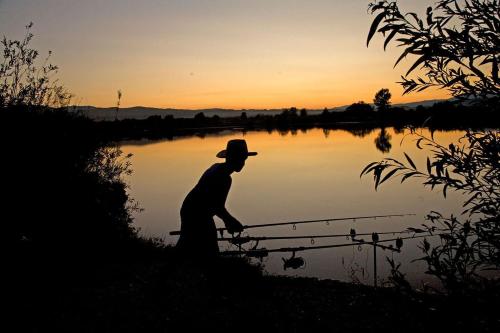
223, 153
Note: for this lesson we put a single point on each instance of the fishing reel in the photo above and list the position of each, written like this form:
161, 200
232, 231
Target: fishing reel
293, 262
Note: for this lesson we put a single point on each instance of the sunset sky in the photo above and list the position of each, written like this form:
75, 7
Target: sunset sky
213, 53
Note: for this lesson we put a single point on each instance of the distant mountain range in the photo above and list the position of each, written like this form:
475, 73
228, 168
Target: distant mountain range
143, 112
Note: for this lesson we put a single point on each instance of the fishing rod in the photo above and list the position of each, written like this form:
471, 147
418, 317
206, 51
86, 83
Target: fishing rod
221, 230
295, 262
246, 239
263, 252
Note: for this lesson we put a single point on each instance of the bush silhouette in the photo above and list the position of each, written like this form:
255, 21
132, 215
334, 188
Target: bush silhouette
66, 191
359, 107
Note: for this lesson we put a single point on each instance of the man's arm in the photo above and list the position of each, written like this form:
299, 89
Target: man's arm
232, 224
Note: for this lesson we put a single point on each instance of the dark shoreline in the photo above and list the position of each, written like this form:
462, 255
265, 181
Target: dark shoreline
439, 117
91, 272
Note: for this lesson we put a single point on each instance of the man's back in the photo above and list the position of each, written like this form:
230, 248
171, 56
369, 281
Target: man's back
210, 193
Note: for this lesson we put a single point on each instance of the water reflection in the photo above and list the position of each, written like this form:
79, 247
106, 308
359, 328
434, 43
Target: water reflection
360, 132
383, 141
310, 175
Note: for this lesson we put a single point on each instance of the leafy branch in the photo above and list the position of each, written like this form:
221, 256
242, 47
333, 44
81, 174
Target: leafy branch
472, 167
22, 82
457, 45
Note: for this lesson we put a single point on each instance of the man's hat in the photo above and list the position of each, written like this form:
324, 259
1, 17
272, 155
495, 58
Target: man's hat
236, 148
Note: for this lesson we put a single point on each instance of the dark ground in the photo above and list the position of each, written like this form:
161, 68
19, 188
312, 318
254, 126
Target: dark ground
159, 293
70, 262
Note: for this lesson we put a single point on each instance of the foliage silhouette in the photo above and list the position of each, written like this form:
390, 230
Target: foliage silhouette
450, 58
382, 99
360, 106
22, 82
200, 116
472, 168
457, 45
66, 184
119, 95
64, 179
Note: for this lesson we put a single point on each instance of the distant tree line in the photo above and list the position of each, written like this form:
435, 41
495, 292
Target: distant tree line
444, 115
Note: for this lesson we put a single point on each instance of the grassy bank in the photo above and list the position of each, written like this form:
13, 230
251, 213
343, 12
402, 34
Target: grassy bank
151, 290
75, 263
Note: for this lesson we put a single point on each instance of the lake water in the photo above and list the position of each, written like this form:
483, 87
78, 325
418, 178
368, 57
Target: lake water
304, 175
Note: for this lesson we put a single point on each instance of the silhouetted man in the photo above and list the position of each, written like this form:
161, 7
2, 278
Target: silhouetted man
198, 232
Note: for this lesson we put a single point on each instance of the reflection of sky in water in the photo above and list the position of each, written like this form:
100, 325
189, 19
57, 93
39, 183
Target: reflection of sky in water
305, 176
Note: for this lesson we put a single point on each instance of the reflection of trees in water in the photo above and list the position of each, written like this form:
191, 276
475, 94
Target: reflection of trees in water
383, 141
283, 132
360, 132
399, 129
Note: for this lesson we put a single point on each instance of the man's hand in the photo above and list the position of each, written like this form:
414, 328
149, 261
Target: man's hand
233, 225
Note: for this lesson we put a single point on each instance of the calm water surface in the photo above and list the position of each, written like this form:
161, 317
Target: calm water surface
296, 176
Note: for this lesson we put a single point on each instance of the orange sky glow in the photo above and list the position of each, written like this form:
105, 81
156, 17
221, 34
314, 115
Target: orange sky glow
196, 54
